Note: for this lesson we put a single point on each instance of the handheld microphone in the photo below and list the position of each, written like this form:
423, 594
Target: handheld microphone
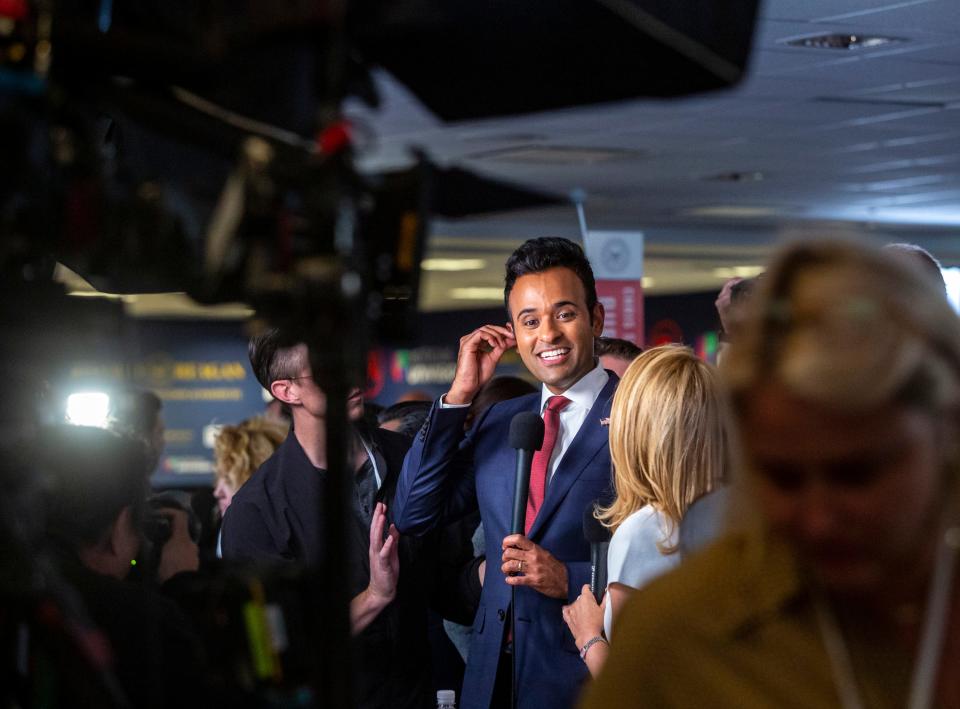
599, 538
526, 435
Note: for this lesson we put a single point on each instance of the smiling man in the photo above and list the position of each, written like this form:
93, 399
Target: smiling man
554, 318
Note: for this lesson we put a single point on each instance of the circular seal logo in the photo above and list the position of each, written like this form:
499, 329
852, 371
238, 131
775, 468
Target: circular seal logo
615, 255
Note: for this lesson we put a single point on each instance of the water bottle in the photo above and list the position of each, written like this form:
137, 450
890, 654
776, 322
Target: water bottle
446, 699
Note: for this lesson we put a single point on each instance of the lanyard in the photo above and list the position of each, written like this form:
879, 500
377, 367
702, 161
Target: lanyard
373, 461
923, 682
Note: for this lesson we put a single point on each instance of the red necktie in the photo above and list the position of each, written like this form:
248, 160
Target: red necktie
541, 459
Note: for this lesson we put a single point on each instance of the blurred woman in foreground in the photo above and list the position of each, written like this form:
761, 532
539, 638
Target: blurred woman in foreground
846, 386
668, 446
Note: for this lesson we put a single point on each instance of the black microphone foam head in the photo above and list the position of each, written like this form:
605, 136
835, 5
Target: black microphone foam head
526, 431
593, 529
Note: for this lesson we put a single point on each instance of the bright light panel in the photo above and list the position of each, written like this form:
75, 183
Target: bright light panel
738, 271
477, 293
453, 264
89, 408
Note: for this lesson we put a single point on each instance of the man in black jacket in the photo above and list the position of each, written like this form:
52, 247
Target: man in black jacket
276, 515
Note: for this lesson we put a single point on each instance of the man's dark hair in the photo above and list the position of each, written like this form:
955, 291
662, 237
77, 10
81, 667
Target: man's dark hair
411, 415
616, 347
272, 357
494, 391
371, 414
544, 253
90, 475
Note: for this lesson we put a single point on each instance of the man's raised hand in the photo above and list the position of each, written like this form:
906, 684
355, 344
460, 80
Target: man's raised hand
724, 304
477, 360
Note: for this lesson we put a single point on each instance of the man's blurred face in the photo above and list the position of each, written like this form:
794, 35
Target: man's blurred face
856, 494
314, 399
553, 327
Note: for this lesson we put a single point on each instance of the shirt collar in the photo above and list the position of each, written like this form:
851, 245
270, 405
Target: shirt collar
583, 393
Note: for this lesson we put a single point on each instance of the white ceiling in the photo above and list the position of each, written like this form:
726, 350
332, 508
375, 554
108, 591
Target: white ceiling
869, 138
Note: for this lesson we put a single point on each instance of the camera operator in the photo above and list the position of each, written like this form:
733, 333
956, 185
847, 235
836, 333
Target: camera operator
95, 505
171, 533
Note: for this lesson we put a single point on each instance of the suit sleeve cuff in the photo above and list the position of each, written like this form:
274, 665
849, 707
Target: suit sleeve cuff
445, 405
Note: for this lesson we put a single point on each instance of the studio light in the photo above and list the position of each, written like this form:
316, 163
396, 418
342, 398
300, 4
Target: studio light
89, 408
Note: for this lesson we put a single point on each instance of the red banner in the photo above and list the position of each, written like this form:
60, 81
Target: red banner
623, 303
617, 260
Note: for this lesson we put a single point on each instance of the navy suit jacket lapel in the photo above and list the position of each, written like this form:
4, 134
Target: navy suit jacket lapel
591, 437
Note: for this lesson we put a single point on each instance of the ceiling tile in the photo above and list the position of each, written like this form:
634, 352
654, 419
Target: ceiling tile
812, 9
930, 16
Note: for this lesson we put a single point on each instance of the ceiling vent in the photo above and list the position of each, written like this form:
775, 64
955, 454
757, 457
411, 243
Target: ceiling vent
843, 41
558, 155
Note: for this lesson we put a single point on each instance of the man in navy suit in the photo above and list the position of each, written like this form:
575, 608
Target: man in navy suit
554, 317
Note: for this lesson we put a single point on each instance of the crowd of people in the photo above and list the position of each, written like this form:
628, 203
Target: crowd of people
784, 526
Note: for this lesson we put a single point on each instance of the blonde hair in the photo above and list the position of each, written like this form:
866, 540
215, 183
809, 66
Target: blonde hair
239, 450
849, 326
668, 436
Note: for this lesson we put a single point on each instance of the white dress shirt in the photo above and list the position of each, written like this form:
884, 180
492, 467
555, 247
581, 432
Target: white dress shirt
582, 396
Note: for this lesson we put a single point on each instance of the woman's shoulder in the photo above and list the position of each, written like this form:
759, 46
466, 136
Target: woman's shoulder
634, 556
645, 521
